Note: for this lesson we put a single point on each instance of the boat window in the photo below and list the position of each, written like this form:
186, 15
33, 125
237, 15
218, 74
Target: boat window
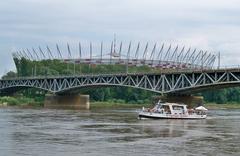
177, 107
166, 109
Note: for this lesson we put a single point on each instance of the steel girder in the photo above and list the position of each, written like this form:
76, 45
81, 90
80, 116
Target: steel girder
186, 82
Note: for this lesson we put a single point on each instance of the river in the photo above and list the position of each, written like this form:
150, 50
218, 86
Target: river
43, 132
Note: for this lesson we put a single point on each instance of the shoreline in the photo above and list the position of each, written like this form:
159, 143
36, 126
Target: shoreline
107, 105
210, 106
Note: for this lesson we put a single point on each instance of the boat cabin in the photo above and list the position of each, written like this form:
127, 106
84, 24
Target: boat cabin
173, 108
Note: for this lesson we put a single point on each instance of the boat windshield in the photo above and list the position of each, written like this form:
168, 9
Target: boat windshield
159, 105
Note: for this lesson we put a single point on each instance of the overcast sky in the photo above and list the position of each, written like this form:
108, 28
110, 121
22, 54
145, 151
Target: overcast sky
212, 25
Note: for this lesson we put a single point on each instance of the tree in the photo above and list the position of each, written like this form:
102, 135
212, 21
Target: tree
9, 75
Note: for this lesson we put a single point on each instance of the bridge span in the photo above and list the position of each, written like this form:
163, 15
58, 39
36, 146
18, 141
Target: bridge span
171, 82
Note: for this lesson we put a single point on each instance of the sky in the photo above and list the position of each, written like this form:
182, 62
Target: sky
211, 25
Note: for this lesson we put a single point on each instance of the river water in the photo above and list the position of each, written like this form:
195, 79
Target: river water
42, 132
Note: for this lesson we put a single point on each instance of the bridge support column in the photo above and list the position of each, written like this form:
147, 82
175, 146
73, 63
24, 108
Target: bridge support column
75, 101
191, 101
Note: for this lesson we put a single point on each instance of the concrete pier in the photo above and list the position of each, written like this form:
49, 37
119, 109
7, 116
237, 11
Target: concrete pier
190, 100
75, 101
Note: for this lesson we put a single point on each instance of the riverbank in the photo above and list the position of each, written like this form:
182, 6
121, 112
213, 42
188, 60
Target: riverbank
24, 102
210, 106
100, 105
222, 106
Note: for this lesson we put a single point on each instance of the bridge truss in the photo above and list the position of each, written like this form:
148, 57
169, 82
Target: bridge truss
181, 82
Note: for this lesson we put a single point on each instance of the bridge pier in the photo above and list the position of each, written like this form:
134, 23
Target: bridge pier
190, 100
73, 101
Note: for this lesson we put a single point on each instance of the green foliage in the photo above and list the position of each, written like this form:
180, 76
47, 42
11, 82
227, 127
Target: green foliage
9, 100
9, 75
229, 95
27, 67
13, 101
120, 95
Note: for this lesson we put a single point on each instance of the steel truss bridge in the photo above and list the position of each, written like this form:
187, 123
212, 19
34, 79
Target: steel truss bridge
178, 82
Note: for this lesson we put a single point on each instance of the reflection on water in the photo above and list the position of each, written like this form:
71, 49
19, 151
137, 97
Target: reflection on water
115, 132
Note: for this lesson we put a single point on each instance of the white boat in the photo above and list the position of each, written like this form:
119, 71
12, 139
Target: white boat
173, 111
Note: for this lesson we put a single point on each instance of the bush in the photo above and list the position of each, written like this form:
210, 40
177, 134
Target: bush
9, 100
24, 100
140, 101
12, 101
120, 101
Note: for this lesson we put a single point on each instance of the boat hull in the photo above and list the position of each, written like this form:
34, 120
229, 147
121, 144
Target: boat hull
169, 116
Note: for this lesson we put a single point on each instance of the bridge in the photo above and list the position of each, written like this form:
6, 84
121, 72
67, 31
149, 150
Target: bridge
177, 71
191, 69
176, 82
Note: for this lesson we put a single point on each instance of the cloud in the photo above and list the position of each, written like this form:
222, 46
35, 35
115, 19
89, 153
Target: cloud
208, 25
